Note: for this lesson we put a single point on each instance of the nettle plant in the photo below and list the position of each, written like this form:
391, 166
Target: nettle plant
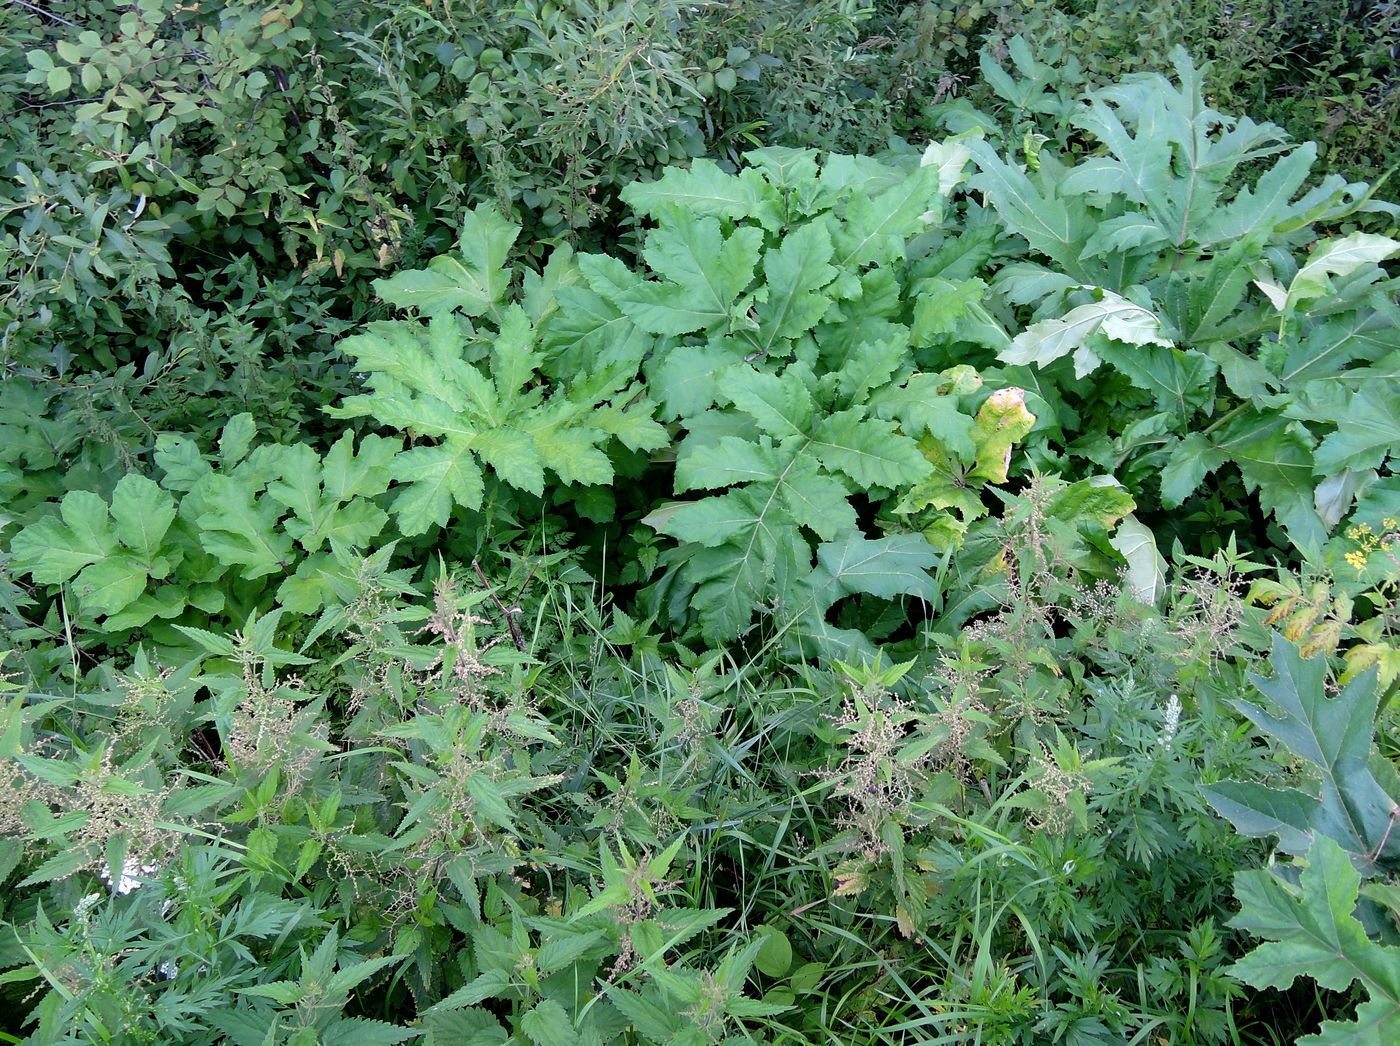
1188, 316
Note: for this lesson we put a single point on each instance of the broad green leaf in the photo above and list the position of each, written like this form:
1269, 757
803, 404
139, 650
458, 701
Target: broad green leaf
796, 271
686, 378
1042, 220
871, 452
1368, 433
1138, 167
730, 461
704, 189
141, 516
1127, 232
1333, 734
887, 567
588, 329
871, 366
112, 584
781, 406
1275, 457
875, 229
942, 309
816, 501
1311, 931
1099, 499
775, 956
1112, 315
571, 451
348, 473
632, 426
484, 407
1267, 205
703, 273
242, 529
1191, 459
1338, 257
513, 456
471, 283
1362, 334
710, 522
433, 480
513, 358
927, 405
235, 441
54, 550
1180, 382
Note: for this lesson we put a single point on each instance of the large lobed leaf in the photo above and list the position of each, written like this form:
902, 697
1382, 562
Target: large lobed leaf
1333, 735
1312, 931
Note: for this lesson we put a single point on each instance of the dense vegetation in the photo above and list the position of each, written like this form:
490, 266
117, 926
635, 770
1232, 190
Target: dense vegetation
627, 521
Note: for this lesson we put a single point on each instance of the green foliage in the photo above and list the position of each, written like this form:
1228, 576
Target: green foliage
1321, 69
1311, 931
1320, 922
787, 595
214, 534
1356, 809
426, 834
425, 381
783, 327
1142, 259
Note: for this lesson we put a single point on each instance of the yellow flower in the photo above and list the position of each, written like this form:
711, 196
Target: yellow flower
1358, 560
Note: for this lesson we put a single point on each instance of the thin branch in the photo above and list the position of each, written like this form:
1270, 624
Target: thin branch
45, 14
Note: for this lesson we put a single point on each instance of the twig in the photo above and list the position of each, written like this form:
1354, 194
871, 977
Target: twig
511, 614
46, 14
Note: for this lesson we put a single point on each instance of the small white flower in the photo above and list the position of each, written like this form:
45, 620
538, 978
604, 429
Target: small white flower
1171, 721
87, 904
129, 878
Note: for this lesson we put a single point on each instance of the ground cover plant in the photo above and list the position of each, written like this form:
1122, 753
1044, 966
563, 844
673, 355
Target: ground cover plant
651, 523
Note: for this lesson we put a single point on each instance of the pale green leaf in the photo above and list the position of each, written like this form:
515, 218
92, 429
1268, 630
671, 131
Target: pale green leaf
870, 451
1113, 315
796, 271
706, 190
433, 480
1146, 577
141, 516
1338, 257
